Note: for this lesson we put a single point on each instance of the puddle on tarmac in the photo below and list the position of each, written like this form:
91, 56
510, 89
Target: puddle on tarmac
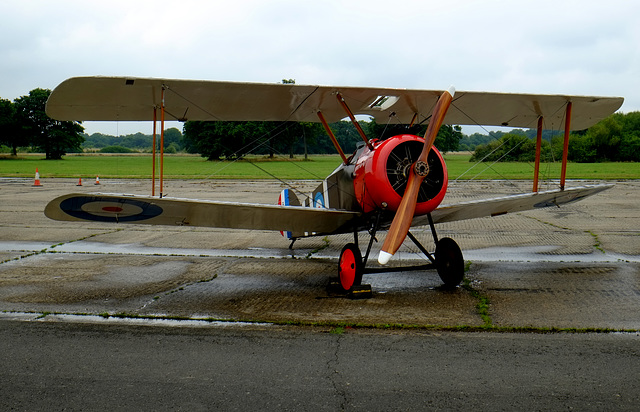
542, 254
151, 320
139, 249
493, 254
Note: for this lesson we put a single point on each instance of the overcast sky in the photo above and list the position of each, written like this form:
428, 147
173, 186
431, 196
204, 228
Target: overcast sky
583, 47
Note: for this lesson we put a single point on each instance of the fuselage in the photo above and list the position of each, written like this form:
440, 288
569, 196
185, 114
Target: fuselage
374, 180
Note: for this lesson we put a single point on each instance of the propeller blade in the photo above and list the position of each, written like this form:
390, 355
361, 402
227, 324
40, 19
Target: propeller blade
404, 215
437, 116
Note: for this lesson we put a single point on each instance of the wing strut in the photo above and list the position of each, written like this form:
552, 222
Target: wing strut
332, 137
353, 120
413, 119
538, 150
565, 148
162, 140
153, 157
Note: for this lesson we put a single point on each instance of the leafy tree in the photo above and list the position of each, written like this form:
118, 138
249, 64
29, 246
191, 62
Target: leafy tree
172, 148
115, 149
630, 145
580, 148
173, 137
54, 137
9, 132
297, 134
448, 139
136, 141
213, 140
616, 138
509, 148
99, 140
257, 138
605, 138
472, 141
190, 137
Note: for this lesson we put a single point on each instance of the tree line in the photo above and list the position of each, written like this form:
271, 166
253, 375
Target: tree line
24, 124
614, 139
136, 142
230, 140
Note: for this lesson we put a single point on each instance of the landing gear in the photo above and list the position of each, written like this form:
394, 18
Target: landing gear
447, 260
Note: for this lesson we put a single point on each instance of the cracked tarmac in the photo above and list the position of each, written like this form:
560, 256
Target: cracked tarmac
575, 267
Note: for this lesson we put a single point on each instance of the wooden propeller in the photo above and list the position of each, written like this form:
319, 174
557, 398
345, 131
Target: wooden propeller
419, 170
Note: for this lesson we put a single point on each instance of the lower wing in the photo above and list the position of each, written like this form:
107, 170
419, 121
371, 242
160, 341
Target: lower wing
185, 212
303, 221
508, 204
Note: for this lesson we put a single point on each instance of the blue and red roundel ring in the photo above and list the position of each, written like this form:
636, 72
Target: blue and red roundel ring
105, 209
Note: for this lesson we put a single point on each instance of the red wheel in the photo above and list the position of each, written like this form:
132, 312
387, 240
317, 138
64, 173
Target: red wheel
350, 267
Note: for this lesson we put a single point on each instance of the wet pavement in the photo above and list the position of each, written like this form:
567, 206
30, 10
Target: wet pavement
575, 267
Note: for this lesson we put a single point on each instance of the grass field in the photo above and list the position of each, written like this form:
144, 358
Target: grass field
318, 167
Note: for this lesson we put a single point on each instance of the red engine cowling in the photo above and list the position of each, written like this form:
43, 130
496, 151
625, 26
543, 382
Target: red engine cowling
380, 176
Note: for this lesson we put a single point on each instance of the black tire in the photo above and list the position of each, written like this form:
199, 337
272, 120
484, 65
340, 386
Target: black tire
449, 262
350, 267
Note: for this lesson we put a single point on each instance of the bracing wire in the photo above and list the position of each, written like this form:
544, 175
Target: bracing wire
253, 145
491, 134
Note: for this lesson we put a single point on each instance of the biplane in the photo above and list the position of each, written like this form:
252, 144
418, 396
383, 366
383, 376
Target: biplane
390, 184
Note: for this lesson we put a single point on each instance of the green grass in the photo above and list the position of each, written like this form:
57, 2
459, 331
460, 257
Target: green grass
175, 167
318, 167
458, 164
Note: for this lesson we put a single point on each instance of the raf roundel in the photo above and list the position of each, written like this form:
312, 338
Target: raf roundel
108, 210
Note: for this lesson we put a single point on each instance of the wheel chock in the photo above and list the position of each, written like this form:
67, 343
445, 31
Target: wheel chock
356, 292
360, 292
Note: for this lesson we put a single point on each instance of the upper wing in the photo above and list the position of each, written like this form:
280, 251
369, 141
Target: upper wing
185, 212
508, 204
129, 98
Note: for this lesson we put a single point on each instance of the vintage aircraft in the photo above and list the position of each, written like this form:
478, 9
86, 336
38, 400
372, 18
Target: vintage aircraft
392, 184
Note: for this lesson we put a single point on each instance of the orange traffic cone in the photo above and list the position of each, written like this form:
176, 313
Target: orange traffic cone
97, 180
37, 180
79, 182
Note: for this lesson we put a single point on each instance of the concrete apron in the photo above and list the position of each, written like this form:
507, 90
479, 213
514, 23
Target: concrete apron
576, 267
